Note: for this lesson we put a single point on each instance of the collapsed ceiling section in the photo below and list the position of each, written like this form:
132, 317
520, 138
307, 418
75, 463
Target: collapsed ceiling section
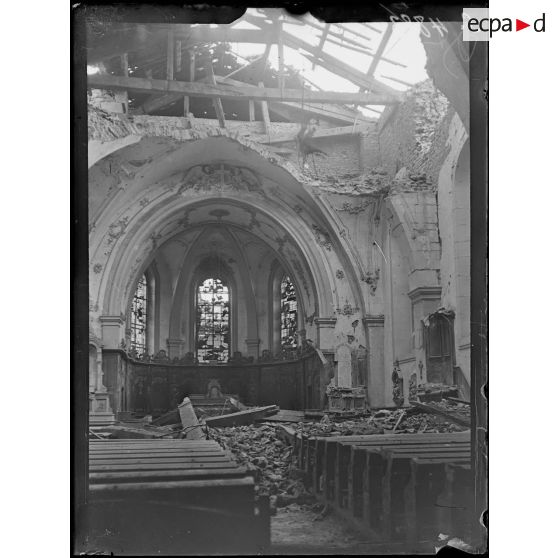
267, 66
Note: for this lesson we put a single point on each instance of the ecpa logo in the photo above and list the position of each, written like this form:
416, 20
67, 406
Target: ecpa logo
478, 26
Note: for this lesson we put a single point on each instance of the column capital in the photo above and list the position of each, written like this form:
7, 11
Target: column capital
112, 320
325, 321
373, 320
427, 292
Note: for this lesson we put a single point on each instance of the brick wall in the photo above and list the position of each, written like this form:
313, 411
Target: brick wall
413, 134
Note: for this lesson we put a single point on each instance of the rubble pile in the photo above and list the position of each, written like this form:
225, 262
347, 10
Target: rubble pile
269, 459
375, 182
459, 410
383, 421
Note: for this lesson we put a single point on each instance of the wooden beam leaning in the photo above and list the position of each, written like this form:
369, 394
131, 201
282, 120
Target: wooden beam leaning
248, 92
125, 73
265, 114
251, 111
329, 62
322, 42
217, 103
280, 55
381, 47
324, 133
192, 61
170, 55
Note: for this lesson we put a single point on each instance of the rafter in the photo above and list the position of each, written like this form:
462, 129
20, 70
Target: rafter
323, 133
196, 89
329, 62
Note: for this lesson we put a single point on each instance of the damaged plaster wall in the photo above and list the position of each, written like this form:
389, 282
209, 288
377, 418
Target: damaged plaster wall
376, 202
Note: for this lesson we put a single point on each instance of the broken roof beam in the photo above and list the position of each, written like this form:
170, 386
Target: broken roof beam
333, 33
327, 61
280, 57
217, 103
321, 45
297, 112
348, 30
265, 114
371, 27
199, 89
289, 110
381, 47
170, 54
323, 133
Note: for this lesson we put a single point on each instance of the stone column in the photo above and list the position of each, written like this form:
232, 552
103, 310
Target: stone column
175, 347
100, 411
113, 330
100, 387
374, 328
253, 348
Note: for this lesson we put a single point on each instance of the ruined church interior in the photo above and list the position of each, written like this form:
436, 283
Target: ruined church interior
279, 234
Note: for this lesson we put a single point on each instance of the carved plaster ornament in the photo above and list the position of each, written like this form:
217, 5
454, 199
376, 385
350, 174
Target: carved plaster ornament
220, 177
347, 310
322, 237
372, 278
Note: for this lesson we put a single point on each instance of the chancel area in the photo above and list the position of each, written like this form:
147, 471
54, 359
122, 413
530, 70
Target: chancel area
260, 240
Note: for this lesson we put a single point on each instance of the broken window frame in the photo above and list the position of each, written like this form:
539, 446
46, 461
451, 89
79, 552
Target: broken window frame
212, 330
288, 329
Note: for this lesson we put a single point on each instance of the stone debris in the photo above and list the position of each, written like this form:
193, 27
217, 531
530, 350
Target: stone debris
382, 421
376, 182
459, 410
269, 459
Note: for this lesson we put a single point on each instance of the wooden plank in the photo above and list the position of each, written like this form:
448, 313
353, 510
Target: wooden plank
173, 485
170, 54
161, 466
152, 443
196, 89
155, 447
251, 111
418, 438
381, 47
192, 58
161, 460
149, 463
178, 50
167, 475
158, 447
297, 112
125, 73
242, 417
152, 454
280, 55
323, 133
217, 103
124, 454
157, 444
340, 36
321, 43
349, 30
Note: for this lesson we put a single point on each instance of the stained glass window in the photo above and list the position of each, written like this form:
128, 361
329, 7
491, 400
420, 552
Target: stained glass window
138, 317
289, 317
213, 312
